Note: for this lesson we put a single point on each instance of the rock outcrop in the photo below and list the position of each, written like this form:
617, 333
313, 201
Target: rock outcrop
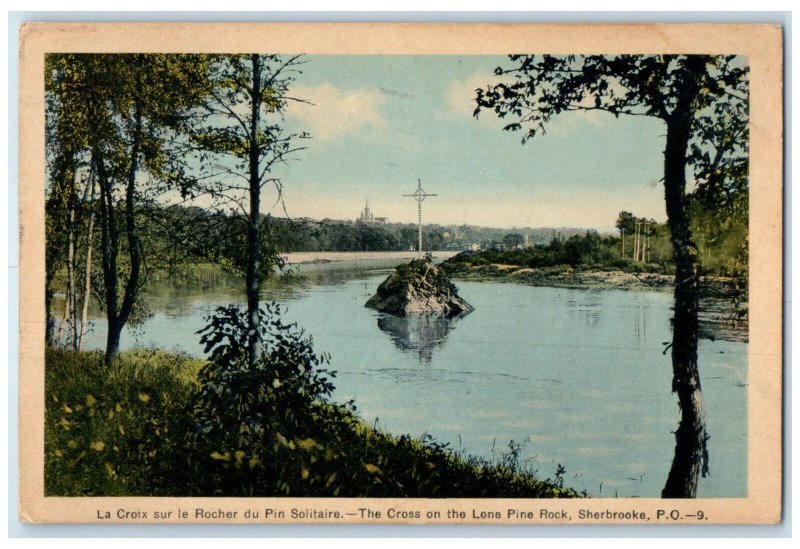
419, 288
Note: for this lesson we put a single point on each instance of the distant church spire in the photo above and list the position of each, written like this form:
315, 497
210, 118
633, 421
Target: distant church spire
366, 214
368, 217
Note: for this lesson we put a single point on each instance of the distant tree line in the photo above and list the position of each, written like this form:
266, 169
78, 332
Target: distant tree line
720, 248
720, 236
308, 235
588, 250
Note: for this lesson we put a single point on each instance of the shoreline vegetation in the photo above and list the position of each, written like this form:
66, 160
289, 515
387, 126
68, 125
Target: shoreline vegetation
724, 306
304, 258
723, 313
593, 277
589, 263
126, 429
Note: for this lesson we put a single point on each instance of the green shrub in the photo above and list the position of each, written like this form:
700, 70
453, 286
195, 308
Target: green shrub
115, 430
244, 412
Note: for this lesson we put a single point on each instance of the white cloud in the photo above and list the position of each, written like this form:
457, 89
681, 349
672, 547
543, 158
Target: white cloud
460, 94
336, 112
566, 123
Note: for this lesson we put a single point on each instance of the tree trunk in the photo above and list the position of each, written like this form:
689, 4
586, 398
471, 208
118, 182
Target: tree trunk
134, 251
62, 326
87, 289
70, 311
112, 341
70, 317
117, 314
109, 240
691, 456
253, 236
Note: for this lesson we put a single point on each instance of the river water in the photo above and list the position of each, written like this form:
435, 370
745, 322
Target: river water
576, 377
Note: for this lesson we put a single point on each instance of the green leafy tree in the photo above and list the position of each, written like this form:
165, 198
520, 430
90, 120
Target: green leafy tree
626, 221
64, 141
720, 202
512, 240
690, 94
408, 238
124, 112
636, 227
239, 141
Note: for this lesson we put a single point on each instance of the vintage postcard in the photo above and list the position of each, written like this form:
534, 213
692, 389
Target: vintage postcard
400, 273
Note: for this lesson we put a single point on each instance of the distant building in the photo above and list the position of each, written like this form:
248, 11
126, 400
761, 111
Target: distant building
368, 218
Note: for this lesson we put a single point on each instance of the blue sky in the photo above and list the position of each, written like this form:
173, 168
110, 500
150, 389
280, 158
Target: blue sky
379, 123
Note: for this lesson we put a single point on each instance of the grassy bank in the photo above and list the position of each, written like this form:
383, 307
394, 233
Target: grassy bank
129, 429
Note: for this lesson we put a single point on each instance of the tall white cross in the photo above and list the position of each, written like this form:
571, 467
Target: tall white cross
419, 196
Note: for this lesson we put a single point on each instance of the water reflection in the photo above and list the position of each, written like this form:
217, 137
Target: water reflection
587, 305
641, 317
417, 335
300, 279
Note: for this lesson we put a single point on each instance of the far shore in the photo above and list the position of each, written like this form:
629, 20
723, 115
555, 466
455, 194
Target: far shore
564, 276
298, 258
567, 277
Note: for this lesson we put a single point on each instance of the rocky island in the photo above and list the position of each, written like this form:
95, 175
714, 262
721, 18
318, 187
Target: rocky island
419, 288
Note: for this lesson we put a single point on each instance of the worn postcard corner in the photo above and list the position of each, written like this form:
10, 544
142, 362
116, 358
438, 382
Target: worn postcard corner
400, 274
